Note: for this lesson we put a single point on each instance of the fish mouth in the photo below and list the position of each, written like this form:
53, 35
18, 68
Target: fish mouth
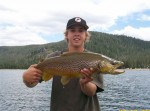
116, 66
118, 71
111, 68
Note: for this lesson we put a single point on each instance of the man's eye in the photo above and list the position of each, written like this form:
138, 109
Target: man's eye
81, 30
72, 30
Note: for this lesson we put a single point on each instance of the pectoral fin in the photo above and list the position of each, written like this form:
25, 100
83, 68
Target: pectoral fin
65, 80
46, 76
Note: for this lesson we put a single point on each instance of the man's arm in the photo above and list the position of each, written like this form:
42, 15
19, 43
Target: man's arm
87, 86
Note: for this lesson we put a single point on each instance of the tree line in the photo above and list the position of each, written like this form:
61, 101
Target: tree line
135, 53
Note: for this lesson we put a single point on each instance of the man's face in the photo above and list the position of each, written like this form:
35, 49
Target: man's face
76, 36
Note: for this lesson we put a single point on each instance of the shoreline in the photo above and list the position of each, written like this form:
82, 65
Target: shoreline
137, 69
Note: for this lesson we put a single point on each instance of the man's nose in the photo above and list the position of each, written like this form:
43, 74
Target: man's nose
77, 32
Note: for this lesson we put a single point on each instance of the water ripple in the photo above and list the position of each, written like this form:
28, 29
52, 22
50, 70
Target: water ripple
128, 91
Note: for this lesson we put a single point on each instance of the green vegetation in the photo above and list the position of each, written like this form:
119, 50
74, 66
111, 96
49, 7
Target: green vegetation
135, 53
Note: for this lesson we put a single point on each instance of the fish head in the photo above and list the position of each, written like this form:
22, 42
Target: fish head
106, 67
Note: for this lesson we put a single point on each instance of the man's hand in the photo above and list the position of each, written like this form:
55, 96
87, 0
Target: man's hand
87, 86
86, 76
32, 76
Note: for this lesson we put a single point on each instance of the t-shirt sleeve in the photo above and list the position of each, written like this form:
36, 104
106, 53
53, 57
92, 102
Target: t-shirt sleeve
98, 81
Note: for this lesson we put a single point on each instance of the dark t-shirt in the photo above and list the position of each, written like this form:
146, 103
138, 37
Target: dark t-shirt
70, 97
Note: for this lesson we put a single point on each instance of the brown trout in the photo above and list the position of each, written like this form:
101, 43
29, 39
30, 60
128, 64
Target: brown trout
69, 65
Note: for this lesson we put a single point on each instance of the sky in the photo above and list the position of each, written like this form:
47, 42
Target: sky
26, 22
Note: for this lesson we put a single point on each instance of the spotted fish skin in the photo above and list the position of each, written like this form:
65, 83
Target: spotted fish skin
69, 65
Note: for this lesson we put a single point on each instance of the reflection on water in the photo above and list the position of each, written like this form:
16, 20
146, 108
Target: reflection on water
128, 91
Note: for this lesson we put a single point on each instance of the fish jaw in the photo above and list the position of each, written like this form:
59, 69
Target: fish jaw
108, 68
117, 71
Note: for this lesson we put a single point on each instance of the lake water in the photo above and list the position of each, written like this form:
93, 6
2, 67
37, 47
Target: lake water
126, 92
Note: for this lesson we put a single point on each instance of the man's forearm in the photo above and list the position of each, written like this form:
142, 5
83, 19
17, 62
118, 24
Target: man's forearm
88, 88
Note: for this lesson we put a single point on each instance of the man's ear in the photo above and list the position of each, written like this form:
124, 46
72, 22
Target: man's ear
66, 38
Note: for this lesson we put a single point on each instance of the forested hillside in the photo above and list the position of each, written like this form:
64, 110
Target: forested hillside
133, 52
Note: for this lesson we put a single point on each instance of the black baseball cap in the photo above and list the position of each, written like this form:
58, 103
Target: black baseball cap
76, 21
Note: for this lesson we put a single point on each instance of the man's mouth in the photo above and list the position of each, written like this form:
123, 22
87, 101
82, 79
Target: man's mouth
76, 39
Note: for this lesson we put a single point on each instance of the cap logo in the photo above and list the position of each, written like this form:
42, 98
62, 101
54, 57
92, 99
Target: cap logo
78, 19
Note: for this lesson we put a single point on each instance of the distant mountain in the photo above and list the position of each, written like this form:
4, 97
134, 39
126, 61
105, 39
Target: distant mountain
135, 53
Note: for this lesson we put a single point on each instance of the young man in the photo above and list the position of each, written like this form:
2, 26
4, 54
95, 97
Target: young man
78, 94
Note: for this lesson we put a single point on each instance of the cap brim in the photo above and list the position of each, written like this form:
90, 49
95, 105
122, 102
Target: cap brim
85, 26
